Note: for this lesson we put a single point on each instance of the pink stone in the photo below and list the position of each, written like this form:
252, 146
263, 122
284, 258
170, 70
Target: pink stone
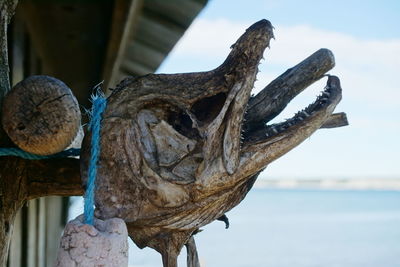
84, 245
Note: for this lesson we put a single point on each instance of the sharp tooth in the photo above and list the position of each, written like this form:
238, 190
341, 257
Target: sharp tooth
266, 135
305, 113
274, 130
300, 118
326, 93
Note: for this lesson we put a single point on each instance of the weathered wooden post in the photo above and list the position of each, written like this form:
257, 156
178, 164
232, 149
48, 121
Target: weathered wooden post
41, 115
6, 218
179, 150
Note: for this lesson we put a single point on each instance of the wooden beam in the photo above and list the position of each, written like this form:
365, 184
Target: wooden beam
157, 33
144, 55
41, 233
53, 177
70, 37
15, 255
134, 68
54, 227
124, 18
181, 12
31, 240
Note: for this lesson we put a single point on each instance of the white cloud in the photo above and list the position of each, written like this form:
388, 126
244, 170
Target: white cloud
367, 68
356, 58
211, 38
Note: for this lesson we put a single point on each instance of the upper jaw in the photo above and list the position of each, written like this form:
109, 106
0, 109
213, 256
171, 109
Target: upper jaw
248, 50
239, 72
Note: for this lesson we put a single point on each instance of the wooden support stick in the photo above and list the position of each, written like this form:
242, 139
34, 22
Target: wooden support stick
336, 120
54, 177
8, 209
192, 259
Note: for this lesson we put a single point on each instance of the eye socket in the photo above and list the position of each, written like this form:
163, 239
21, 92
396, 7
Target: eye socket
207, 109
182, 123
174, 116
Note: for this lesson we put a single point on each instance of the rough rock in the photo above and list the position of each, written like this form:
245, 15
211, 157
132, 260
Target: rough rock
103, 244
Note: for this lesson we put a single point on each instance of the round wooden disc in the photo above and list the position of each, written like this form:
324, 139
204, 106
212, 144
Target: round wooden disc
41, 115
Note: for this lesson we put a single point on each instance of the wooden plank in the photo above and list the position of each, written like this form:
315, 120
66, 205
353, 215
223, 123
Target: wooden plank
144, 54
157, 33
181, 12
70, 39
18, 49
31, 234
33, 64
134, 68
41, 233
148, 35
54, 227
14, 257
119, 39
119, 18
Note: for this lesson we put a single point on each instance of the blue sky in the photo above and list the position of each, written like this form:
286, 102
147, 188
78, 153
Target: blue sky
365, 19
365, 39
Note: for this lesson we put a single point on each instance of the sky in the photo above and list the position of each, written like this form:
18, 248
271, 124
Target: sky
364, 36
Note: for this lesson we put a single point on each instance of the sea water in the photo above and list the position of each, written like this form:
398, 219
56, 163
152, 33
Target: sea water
302, 228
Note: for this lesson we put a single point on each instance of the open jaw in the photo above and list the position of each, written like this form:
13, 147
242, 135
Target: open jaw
250, 143
269, 142
331, 95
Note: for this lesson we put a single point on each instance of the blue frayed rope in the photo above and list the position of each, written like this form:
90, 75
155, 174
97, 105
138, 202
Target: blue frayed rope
98, 107
73, 152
